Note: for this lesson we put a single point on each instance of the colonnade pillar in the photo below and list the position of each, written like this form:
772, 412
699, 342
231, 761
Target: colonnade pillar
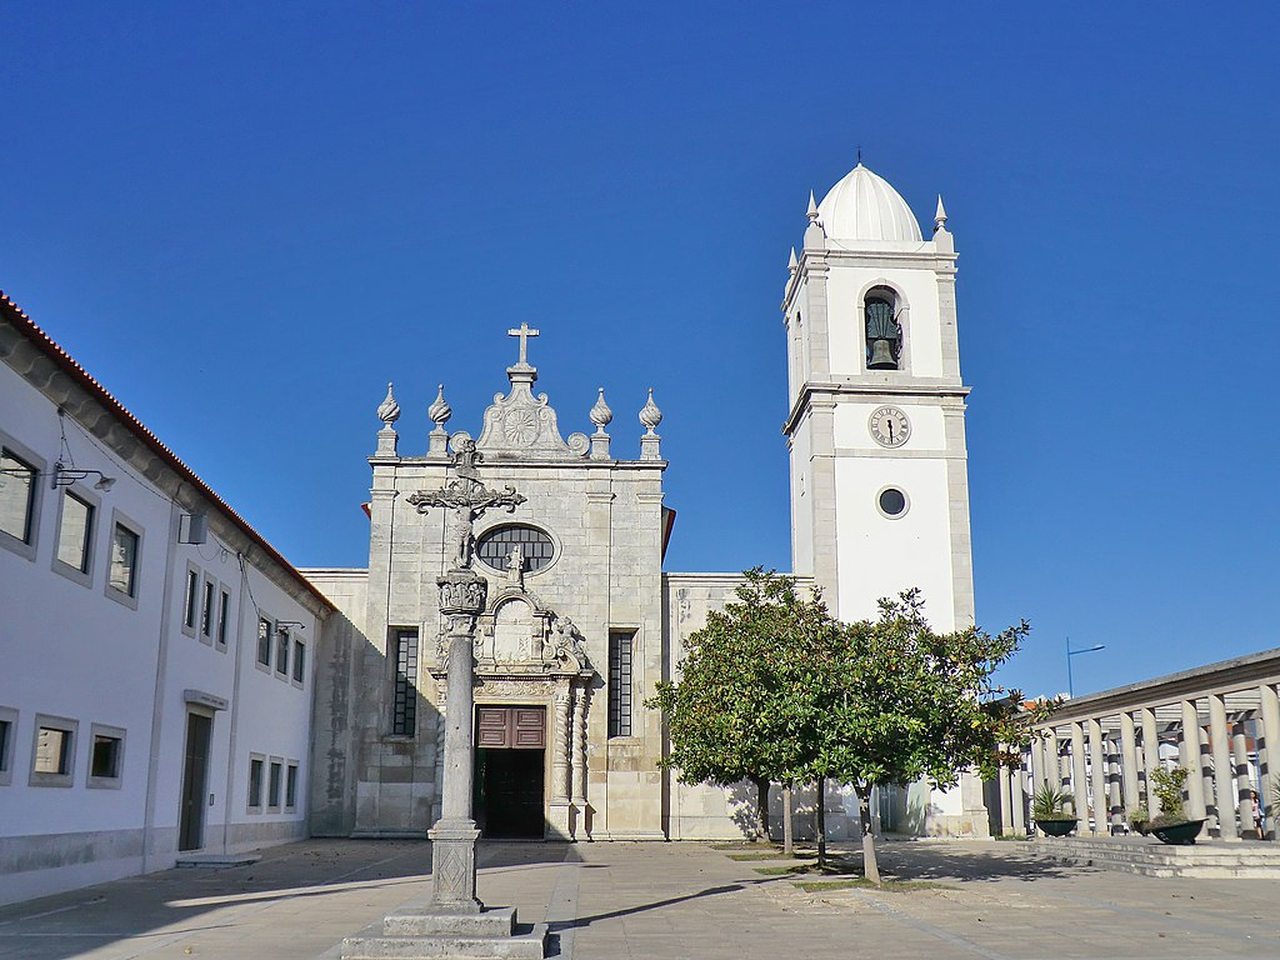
1244, 785
1150, 757
1270, 711
1128, 762
1016, 800
1098, 767
1224, 795
1079, 788
1191, 760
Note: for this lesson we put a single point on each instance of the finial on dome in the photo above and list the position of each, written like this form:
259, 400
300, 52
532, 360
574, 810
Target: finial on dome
793, 264
940, 217
388, 409
600, 414
812, 212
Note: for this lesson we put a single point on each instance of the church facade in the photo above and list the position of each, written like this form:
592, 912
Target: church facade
581, 620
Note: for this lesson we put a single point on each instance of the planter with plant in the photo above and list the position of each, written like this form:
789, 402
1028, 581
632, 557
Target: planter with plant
1140, 819
1049, 810
1172, 826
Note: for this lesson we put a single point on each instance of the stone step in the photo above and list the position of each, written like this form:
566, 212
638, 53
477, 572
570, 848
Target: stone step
1152, 858
524, 946
494, 922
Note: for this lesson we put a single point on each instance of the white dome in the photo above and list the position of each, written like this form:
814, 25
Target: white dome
862, 206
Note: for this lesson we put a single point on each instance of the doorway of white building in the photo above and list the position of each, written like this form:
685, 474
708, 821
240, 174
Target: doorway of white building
195, 776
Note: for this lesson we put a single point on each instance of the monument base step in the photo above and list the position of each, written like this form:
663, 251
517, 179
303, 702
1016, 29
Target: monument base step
494, 922
524, 946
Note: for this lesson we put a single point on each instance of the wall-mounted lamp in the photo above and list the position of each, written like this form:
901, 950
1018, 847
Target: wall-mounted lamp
63, 476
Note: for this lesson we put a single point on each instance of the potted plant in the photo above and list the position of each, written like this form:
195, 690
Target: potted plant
1140, 819
1172, 826
1049, 810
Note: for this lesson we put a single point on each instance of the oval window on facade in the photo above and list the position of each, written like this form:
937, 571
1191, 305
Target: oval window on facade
892, 502
494, 547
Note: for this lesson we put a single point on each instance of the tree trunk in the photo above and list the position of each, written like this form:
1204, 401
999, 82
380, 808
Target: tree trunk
788, 834
822, 824
762, 810
870, 869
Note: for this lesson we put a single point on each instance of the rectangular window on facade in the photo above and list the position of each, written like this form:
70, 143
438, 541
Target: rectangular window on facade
192, 598
299, 661
264, 641
123, 572
75, 532
291, 787
224, 612
620, 643
8, 729
283, 642
17, 496
106, 757
404, 705
273, 785
255, 782
54, 752
206, 610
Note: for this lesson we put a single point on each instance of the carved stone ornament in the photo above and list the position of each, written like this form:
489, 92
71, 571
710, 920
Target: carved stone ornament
650, 416
440, 412
519, 424
389, 410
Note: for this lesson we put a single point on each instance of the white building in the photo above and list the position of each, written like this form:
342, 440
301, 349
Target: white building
141, 717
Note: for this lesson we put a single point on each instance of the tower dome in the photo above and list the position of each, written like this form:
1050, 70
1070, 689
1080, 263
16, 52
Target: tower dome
863, 206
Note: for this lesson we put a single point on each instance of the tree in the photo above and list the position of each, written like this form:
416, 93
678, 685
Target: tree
742, 708
900, 703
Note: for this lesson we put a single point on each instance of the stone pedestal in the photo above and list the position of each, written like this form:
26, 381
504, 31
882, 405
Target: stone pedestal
411, 935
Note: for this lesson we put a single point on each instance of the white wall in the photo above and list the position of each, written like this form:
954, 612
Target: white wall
70, 650
918, 290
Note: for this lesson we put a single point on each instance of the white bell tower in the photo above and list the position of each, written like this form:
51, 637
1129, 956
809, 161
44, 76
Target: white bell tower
879, 479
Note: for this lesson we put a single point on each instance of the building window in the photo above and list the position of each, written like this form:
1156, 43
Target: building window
192, 598
273, 785
17, 496
8, 730
54, 752
255, 783
494, 547
264, 642
106, 756
283, 642
291, 787
75, 532
884, 333
299, 661
405, 700
206, 611
224, 614
620, 644
123, 572
892, 503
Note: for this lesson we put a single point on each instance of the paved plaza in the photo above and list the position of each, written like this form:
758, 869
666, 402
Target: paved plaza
660, 900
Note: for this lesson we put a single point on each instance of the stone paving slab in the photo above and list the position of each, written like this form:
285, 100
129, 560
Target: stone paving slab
656, 900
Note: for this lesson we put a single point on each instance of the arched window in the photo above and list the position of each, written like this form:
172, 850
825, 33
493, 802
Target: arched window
884, 332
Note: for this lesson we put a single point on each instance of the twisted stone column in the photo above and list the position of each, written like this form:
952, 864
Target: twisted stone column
580, 745
560, 747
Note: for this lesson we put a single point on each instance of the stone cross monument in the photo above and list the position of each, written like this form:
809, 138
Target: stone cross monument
462, 599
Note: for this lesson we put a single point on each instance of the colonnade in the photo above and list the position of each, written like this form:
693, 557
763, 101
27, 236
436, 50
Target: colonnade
1220, 723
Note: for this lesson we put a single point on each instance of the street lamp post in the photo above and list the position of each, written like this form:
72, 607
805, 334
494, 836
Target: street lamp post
1071, 688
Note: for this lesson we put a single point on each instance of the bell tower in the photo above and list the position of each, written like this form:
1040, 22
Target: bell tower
879, 478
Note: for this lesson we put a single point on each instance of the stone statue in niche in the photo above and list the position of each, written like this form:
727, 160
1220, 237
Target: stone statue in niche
515, 566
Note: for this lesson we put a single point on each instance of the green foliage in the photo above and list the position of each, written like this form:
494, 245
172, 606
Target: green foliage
742, 707
902, 703
1050, 804
1139, 815
1167, 786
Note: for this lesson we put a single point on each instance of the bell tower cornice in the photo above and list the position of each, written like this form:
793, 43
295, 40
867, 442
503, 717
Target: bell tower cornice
831, 392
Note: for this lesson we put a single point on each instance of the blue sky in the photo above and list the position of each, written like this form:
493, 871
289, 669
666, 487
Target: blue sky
246, 219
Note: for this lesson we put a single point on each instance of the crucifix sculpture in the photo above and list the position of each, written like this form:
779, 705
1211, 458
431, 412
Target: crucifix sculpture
462, 598
524, 332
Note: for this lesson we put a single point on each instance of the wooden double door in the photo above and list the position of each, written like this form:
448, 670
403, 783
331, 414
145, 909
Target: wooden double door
510, 775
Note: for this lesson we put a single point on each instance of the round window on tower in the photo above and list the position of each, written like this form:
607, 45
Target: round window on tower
494, 547
892, 503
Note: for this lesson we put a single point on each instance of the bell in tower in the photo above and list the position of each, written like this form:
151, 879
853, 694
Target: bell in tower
884, 336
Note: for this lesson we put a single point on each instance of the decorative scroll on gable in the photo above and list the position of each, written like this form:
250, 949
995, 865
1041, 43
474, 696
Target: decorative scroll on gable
520, 424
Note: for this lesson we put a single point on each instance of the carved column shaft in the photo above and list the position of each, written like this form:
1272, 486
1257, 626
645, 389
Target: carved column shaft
580, 744
559, 747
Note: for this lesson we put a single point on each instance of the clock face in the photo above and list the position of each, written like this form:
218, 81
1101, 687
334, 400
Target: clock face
889, 426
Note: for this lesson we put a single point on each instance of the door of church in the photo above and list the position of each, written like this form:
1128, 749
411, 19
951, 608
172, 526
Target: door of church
194, 776
510, 764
